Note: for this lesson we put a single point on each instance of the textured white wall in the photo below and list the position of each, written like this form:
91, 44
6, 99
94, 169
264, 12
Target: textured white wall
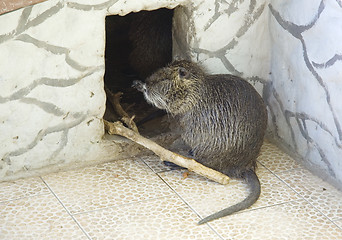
306, 92
51, 75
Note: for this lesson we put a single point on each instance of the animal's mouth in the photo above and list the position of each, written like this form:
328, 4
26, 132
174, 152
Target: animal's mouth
150, 96
155, 99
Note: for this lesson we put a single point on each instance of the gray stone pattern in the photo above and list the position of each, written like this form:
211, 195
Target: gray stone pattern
52, 98
28, 140
298, 120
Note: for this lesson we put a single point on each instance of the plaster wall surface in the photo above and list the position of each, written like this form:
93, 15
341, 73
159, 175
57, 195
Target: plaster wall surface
52, 97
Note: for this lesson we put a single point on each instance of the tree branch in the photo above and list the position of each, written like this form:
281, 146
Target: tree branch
164, 154
114, 99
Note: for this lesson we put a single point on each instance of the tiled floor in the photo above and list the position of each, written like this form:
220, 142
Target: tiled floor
142, 199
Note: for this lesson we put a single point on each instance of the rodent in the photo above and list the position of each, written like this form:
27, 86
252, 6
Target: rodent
222, 118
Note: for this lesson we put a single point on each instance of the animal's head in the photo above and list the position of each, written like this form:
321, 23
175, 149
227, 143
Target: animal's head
174, 88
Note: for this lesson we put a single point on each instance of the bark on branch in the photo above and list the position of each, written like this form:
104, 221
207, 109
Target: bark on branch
114, 99
164, 154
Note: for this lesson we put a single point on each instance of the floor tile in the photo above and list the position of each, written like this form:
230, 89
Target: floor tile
165, 218
274, 159
322, 195
339, 223
208, 197
109, 184
38, 217
128, 200
290, 221
22, 188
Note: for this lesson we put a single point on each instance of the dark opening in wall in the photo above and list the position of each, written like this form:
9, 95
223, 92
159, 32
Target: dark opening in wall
136, 45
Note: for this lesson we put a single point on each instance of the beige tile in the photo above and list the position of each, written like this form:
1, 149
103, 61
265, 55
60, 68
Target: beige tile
165, 218
38, 217
339, 223
319, 193
290, 221
109, 184
208, 197
127, 200
275, 160
22, 188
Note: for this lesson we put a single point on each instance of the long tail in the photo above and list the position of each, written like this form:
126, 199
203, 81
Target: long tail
254, 193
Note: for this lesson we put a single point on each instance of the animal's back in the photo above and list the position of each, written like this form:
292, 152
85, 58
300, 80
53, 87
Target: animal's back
226, 127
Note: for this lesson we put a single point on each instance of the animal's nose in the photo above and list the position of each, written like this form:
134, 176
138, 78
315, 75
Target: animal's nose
139, 85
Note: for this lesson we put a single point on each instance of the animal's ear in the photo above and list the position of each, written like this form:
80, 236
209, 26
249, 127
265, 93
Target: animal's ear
183, 73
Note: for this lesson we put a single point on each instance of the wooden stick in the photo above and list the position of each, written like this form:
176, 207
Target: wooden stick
164, 154
115, 101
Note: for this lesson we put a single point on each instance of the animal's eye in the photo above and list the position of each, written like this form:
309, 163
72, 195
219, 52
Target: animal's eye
183, 73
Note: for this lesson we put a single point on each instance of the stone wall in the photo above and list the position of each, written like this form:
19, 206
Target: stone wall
52, 66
